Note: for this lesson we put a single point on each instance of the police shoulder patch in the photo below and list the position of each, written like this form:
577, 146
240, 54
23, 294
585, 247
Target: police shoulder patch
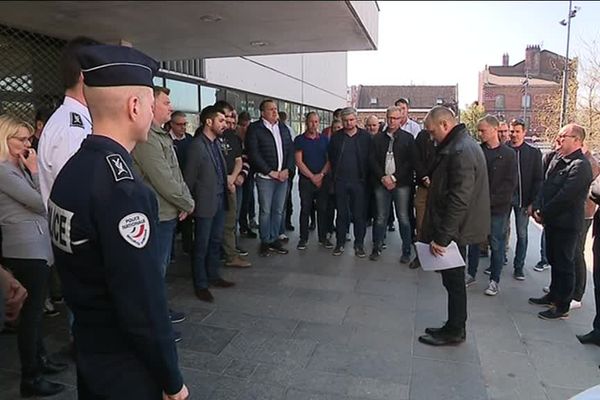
76, 120
119, 167
135, 229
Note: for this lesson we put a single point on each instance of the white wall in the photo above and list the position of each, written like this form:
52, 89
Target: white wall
315, 79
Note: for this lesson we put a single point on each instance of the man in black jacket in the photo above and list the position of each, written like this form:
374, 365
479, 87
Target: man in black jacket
502, 177
560, 206
349, 158
271, 154
458, 209
530, 175
392, 172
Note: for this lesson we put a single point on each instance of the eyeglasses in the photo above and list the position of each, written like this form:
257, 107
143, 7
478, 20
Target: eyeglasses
566, 136
502, 130
180, 123
22, 139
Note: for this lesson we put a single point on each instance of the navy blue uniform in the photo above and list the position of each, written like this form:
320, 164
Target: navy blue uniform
103, 222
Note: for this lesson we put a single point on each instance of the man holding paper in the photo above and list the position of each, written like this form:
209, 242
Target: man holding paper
458, 209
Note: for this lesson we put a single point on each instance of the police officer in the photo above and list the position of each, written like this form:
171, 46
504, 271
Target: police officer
103, 222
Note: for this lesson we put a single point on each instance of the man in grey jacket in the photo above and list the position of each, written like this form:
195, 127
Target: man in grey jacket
156, 161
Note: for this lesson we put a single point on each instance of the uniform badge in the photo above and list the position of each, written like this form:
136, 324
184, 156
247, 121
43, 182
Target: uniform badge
119, 167
60, 226
76, 120
135, 229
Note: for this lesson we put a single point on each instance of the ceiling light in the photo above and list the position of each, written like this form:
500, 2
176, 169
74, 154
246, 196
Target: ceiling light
210, 18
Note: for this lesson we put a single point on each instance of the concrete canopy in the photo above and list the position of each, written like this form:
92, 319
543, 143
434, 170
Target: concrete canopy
205, 29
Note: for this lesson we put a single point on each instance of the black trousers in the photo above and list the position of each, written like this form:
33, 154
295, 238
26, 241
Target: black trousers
289, 206
309, 194
33, 275
350, 202
114, 377
580, 266
560, 250
247, 210
596, 275
454, 282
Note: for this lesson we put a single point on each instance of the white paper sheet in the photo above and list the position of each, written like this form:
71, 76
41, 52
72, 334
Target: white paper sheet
429, 262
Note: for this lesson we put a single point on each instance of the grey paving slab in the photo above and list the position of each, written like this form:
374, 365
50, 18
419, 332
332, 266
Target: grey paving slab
208, 339
446, 380
564, 365
531, 327
323, 333
244, 321
406, 290
228, 388
325, 296
202, 361
466, 352
294, 394
240, 369
310, 310
383, 318
311, 281
201, 384
393, 367
560, 393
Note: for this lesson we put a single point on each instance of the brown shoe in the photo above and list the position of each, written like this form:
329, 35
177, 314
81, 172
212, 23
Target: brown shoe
238, 262
205, 295
222, 283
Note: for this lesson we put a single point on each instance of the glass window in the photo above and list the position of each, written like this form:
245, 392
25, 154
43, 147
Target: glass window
208, 96
193, 120
158, 81
499, 103
253, 103
236, 99
184, 96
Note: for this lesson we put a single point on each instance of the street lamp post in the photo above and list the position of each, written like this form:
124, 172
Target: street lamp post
565, 88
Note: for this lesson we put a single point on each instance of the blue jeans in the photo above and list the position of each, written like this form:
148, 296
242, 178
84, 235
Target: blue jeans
522, 224
497, 244
206, 255
473, 251
166, 231
271, 204
400, 196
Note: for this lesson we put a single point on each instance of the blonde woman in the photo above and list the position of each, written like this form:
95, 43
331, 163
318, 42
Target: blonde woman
26, 249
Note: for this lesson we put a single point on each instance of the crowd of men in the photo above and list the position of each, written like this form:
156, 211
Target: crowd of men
141, 178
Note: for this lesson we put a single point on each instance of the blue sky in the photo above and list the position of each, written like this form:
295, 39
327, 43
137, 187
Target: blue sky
445, 43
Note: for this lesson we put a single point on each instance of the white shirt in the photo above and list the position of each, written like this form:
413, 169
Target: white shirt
61, 138
274, 129
411, 127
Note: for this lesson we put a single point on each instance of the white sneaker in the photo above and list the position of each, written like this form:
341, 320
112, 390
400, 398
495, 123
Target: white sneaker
575, 305
283, 236
469, 280
546, 289
492, 288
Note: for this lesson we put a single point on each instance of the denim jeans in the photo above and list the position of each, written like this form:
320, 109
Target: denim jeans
522, 224
350, 203
400, 196
206, 256
166, 231
271, 204
497, 244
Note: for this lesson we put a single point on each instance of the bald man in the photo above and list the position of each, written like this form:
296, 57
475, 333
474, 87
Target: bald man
458, 210
372, 124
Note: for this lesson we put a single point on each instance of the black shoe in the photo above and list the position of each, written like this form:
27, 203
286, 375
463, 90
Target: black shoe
277, 247
338, 250
443, 338
414, 264
553, 314
205, 295
375, 254
264, 250
249, 234
176, 336
435, 331
326, 243
241, 251
222, 283
360, 252
391, 228
176, 316
541, 301
48, 366
301, 245
40, 387
289, 227
589, 338
404, 259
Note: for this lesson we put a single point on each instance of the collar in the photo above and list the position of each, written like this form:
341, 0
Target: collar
77, 107
174, 137
268, 124
158, 129
577, 154
106, 145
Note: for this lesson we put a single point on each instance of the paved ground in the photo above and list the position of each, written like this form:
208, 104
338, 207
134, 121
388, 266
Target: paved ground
312, 326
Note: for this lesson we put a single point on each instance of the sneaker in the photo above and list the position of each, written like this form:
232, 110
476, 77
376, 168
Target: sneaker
541, 301
248, 234
391, 228
289, 227
405, 259
338, 250
383, 246
360, 252
326, 243
415, 263
541, 267
283, 238
277, 247
301, 245
553, 314
49, 309
348, 237
253, 224
488, 271
492, 288
238, 262
176, 316
470, 280
546, 289
518, 275
177, 336
575, 305
264, 250
241, 251
375, 254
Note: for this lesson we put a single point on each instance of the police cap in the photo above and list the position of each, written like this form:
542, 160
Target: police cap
107, 65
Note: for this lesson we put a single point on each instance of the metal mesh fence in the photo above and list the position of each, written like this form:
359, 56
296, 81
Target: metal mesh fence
29, 72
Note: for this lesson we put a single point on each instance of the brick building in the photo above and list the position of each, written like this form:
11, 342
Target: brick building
374, 100
521, 90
